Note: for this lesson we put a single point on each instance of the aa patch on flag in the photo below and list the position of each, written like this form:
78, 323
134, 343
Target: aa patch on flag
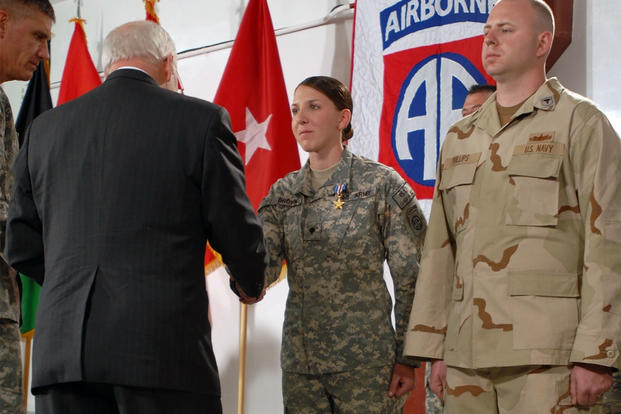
430, 54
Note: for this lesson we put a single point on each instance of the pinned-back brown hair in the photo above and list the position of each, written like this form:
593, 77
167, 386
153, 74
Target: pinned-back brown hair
336, 92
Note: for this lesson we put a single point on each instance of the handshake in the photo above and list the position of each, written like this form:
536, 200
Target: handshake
247, 298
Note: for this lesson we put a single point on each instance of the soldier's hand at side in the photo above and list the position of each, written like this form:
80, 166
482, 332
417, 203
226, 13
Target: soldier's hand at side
403, 380
437, 378
588, 382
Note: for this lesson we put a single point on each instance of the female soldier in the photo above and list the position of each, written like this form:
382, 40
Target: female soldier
335, 221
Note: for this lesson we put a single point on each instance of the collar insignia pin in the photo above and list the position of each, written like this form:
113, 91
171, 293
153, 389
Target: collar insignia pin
548, 101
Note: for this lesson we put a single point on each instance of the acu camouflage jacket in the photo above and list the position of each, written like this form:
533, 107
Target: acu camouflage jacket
522, 260
338, 313
9, 295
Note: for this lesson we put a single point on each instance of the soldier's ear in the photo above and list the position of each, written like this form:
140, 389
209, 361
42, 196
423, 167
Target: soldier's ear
345, 119
544, 44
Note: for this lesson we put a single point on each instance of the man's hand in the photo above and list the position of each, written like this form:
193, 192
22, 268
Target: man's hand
402, 381
248, 300
588, 382
243, 296
437, 378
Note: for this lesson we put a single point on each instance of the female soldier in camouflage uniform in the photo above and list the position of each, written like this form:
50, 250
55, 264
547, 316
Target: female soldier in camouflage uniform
335, 221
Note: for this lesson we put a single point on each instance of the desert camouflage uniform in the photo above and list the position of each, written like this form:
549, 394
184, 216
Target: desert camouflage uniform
11, 396
510, 390
521, 263
338, 314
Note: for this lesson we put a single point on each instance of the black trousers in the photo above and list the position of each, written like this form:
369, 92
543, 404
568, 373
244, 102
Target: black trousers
88, 398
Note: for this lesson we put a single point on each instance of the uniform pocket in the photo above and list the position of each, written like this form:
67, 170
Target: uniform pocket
536, 190
457, 175
544, 306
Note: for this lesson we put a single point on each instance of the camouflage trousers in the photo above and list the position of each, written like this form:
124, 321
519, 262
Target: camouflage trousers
433, 404
611, 400
510, 390
11, 395
351, 392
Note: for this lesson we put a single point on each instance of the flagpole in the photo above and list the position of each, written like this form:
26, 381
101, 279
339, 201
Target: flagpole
339, 13
241, 379
27, 337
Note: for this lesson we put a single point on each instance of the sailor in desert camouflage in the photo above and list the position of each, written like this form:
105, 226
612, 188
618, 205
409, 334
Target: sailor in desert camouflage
521, 272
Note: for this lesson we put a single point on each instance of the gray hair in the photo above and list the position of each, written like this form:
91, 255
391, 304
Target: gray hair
140, 39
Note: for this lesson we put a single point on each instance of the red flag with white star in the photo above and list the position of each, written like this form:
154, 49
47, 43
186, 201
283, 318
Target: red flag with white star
252, 89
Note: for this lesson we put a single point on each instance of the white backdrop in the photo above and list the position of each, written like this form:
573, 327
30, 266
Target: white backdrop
590, 67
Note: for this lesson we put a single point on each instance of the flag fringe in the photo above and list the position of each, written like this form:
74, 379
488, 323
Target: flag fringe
80, 22
149, 6
283, 274
215, 262
28, 335
212, 266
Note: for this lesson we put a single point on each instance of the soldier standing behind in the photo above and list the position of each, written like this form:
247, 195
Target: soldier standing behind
521, 271
25, 27
476, 97
335, 221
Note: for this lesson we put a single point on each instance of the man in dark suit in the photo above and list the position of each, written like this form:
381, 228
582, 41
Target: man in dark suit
116, 194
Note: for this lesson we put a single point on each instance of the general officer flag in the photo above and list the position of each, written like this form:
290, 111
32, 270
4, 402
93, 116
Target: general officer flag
252, 89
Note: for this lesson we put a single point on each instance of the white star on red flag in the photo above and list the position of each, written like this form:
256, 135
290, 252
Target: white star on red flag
252, 90
254, 136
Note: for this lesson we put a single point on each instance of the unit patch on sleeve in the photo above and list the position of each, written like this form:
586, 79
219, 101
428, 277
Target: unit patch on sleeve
416, 219
403, 196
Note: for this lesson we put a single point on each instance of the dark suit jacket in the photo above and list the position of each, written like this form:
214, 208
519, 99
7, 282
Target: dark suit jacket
116, 193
